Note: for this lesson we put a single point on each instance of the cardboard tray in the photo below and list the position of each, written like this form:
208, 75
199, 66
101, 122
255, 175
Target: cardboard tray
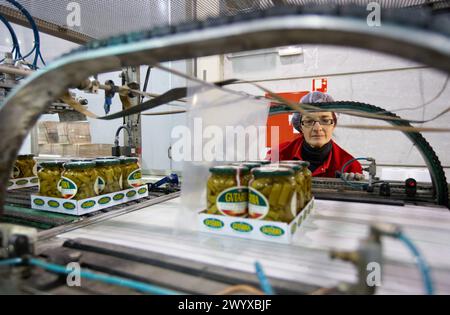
84, 206
271, 231
17, 183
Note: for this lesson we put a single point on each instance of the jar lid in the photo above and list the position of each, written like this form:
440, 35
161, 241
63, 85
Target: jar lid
51, 163
25, 156
229, 170
81, 160
272, 171
79, 165
249, 165
295, 167
261, 162
128, 159
106, 162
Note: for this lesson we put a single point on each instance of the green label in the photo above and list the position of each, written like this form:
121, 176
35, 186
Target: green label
131, 193
241, 227
67, 187
272, 230
10, 183
213, 223
142, 191
34, 180
22, 182
258, 205
118, 197
135, 178
68, 206
233, 201
38, 202
104, 200
88, 204
53, 203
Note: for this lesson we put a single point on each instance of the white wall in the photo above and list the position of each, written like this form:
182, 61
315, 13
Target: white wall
356, 75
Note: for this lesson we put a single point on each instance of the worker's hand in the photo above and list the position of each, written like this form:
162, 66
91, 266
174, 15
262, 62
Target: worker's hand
353, 176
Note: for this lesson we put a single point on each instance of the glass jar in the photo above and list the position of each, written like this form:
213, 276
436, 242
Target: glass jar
308, 179
79, 181
131, 172
272, 194
109, 175
300, 182
227, 191
250, 166
25, 166
49, 175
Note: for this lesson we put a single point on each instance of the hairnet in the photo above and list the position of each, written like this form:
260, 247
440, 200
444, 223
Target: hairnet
311, 97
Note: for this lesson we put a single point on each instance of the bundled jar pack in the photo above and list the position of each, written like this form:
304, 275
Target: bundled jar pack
49, 176
109, 175
272, 194
25, 166
227, 190
79, 180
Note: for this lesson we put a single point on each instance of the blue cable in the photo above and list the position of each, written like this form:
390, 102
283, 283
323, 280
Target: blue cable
10, 262
140, 286
423, 266
16, 47
37, 42
263, 281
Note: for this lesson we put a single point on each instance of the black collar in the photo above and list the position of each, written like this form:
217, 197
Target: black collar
315, 157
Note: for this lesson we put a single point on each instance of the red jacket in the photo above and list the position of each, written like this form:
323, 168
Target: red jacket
291, 150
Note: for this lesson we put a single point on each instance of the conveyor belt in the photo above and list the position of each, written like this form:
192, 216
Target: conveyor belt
18, 210
335, 225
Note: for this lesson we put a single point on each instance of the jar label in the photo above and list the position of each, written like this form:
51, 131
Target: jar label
15, 172
233, 201
99, 185
258, 205
67, 188
35, 169
135, 178
294, 204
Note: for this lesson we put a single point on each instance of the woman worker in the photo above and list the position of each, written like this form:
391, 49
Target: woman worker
315, 144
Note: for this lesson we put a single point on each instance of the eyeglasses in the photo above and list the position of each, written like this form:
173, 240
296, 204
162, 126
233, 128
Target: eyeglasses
322, 122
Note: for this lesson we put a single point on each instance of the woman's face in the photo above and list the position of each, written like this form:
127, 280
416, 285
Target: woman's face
317, 128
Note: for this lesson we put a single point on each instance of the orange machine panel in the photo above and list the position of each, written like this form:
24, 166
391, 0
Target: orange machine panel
283, 121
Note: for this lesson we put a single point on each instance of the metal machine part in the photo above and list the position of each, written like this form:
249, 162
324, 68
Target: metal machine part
117, 150
16, 241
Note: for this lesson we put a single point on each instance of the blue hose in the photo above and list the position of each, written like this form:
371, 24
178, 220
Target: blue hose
140, 286
16, 47
10, 262
34, 27
263, 281
423, 266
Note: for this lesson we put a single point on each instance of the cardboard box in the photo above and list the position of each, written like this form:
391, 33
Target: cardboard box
271, 231
84, 206
17, 183
53, 132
